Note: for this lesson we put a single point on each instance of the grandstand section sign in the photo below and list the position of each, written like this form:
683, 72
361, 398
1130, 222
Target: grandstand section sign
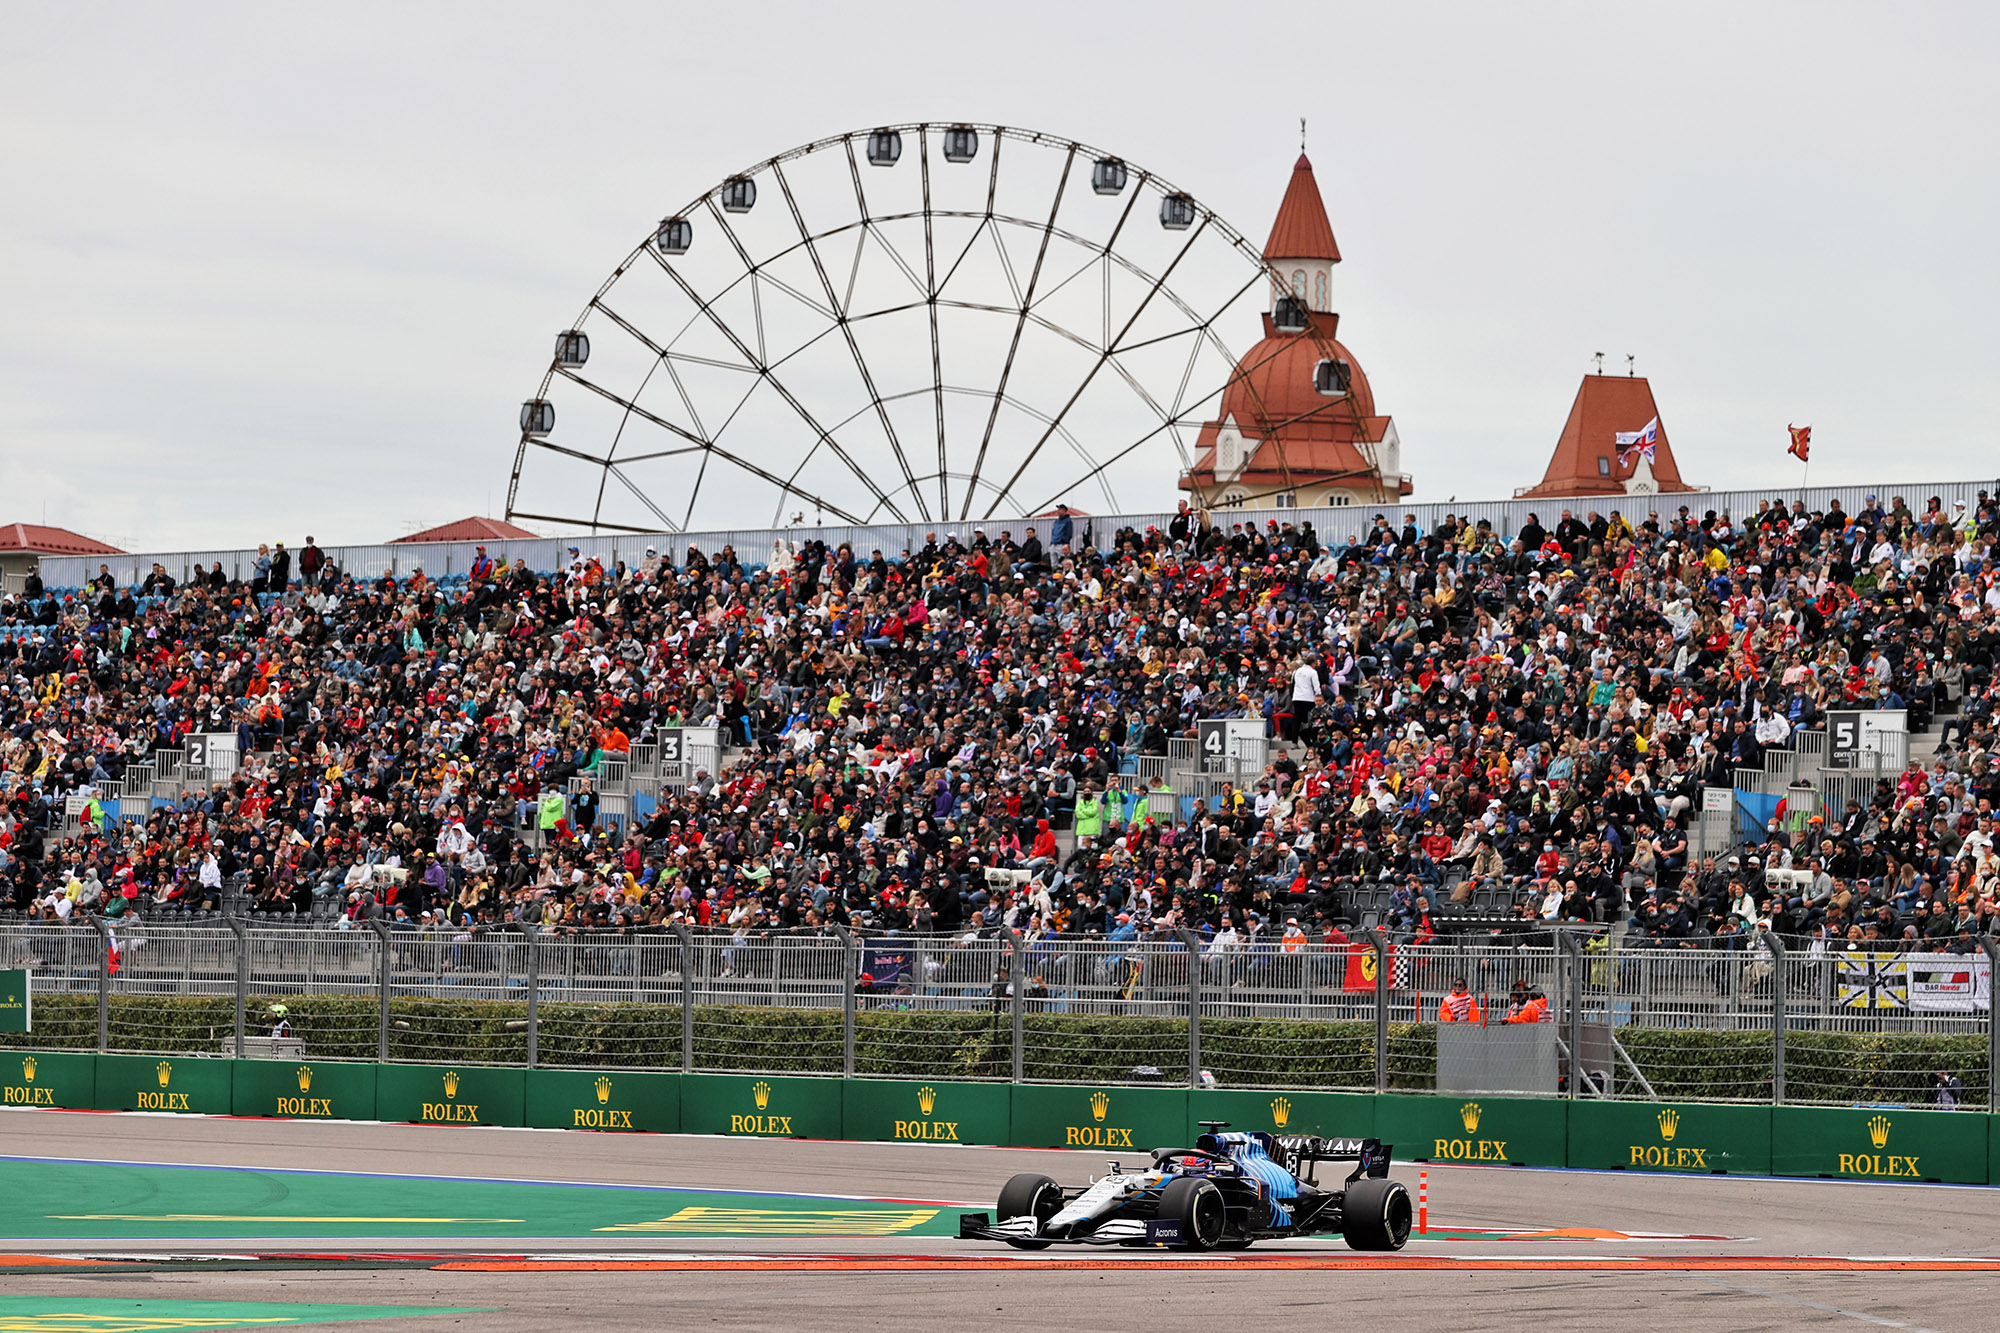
1851, 733
17, 1003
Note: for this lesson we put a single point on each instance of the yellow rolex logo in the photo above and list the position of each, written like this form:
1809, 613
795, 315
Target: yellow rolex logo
165, 1069
1468, 1115
1281, 1111
28, 1069
1670, 1124
1878, 1131
603, 1091
926, 1100
451, 1083
762, 1092
1100, 1105
305, 1078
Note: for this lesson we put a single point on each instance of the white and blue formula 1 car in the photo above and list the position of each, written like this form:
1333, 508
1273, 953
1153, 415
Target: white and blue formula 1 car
1226, 1192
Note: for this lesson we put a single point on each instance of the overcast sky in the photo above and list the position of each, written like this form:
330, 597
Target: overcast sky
270, 270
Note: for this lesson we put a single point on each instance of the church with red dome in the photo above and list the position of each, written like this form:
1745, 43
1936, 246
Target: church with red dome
1297, 423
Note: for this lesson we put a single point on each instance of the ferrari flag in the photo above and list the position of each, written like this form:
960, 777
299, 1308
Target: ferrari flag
1801, 445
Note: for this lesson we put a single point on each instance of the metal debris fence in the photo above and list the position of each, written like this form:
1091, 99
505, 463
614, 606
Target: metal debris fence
1741, 1020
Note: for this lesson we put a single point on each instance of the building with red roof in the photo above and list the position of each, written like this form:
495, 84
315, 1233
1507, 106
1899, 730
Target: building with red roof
470, 530
22, 545
1297, 423
1589, 460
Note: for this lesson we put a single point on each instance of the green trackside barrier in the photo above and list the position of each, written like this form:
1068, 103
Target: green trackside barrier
187, 1083
770, 1105
1332, 1115
1522, 1131
36, 1078
305, 1089
1889, 1143
604, 1099
1670, 1136
1993, 1150
451, 1094
1063, 1116
935, 1112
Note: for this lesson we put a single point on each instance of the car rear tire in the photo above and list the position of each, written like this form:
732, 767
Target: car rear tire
1197, 1205
1029, 1195
1376, 1215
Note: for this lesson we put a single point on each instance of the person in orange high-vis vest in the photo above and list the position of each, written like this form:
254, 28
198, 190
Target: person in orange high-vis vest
1459, 1006
1534, 1011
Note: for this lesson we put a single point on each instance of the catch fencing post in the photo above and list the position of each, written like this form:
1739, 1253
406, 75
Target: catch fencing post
687, 997
1778, 1015
534, 986
382, 984
850, 967
242, 933
1573, 993
103, 985
1380, 946
1017, 971
1992, 948
1193, 947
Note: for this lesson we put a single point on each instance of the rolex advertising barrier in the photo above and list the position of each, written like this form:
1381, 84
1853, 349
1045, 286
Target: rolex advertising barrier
1856, 1143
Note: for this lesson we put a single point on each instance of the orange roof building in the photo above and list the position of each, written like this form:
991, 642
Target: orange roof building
1297, 424
34, 539
1589, 460
470, 530
22, 545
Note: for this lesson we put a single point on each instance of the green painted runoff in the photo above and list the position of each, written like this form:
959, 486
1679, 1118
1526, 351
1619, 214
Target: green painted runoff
51, 1200
77, 1314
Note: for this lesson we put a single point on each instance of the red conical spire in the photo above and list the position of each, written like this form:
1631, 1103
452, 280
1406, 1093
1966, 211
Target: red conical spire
1302, 231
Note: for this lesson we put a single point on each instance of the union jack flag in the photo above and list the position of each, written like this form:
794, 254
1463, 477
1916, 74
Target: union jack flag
1639, 443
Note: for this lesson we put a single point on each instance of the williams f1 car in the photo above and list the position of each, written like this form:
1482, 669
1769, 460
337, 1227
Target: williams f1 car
1226, 1192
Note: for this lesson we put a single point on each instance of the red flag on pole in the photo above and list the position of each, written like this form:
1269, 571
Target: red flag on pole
1801, 444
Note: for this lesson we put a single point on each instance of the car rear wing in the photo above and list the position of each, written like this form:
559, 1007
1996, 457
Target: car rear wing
1306, 1151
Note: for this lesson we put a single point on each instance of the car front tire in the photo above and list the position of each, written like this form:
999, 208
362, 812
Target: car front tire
1197, 1205
1029, 1195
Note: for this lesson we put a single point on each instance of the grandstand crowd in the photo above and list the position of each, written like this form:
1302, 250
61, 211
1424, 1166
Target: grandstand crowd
1457, 718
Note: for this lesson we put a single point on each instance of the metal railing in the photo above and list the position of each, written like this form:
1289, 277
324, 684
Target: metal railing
1746, 1020
759, 545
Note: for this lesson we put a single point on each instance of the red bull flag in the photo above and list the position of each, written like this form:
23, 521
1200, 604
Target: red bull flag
1801, 444
1632, 443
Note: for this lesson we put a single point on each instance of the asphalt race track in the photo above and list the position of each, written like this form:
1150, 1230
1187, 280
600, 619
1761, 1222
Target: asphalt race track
122, 1222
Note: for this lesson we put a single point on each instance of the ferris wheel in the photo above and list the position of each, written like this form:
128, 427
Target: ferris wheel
926, 323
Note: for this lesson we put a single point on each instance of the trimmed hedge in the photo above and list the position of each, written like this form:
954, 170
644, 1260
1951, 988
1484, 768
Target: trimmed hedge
1680, 1063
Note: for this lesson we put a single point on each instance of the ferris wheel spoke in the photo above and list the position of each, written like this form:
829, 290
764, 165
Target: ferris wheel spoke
1102, 467
591, 523
706, 445
1024, 299
667, 359
617, 470
930, 298
635, 410
791, 400
1091, 375
839, 314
